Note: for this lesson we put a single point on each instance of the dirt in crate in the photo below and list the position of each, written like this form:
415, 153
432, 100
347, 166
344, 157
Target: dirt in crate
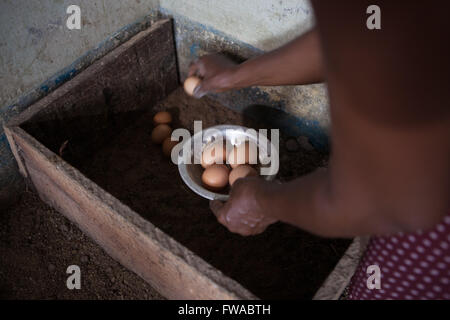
282, 263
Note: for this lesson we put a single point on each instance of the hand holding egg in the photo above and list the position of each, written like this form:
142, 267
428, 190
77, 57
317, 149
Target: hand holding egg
190, 84
244, 213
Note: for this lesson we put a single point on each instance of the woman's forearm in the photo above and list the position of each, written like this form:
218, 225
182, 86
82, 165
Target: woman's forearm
298, 62
307, 203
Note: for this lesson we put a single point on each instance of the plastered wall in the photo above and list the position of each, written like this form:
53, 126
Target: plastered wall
264, 24
35, 42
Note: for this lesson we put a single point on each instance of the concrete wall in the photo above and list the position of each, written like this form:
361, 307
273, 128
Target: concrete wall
37, 43
264, 24
38, 53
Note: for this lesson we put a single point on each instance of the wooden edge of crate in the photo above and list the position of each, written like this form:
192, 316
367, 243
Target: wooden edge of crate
340, 277
169, 267
41, 104
15, 151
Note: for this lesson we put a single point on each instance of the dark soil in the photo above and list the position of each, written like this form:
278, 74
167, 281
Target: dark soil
282, 263
37, 244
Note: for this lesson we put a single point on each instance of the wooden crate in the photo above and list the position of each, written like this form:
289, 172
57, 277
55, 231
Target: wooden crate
140, 72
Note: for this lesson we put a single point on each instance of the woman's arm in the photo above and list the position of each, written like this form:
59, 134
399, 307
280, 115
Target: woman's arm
382, 180
298, 62
390, 163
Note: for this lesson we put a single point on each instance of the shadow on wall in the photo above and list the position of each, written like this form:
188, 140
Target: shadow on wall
271, 118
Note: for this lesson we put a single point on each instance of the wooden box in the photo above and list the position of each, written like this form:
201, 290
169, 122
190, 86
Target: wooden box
110, 93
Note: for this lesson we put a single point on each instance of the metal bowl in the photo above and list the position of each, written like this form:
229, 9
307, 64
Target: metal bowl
192, 173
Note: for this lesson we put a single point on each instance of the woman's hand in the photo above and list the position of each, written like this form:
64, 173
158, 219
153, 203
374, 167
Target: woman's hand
216, 72
297, 62
244, 212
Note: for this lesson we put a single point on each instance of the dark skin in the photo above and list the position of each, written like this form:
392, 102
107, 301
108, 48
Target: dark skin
389, 168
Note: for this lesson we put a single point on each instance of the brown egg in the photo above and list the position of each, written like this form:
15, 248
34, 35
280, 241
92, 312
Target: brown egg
215, 177
242, 171
160, 133
168, 145
242, 154
210, 157
162, 117
190, 84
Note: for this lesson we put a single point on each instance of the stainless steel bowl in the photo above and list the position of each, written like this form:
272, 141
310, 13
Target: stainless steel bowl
192, 173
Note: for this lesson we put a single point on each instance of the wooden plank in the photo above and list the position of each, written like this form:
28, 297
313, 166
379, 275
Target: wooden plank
169, 267
340, 277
